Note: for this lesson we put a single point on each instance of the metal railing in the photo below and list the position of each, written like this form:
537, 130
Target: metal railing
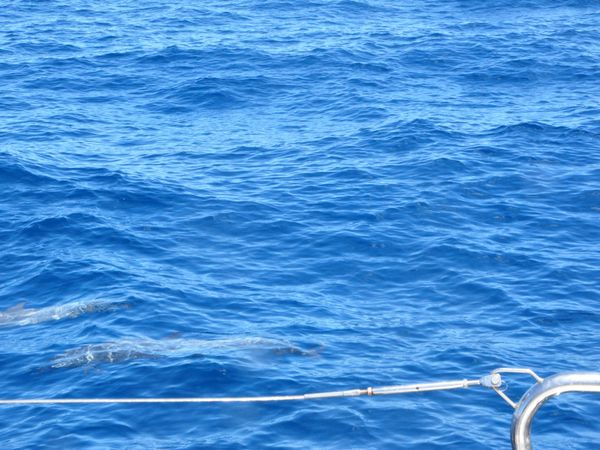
537, 395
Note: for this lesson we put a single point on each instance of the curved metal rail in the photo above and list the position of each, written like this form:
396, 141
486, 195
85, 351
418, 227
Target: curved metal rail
537, 395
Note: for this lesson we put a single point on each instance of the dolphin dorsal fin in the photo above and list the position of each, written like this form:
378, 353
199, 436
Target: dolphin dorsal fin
18, 307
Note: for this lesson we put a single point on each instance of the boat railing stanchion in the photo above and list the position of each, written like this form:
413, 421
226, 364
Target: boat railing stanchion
538, 394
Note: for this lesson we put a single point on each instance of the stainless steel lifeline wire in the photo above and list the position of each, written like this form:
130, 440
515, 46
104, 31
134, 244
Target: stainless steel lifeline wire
525, 409
487, 381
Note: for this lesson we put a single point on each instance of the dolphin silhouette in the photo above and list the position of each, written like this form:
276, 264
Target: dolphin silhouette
131, 349
18, 315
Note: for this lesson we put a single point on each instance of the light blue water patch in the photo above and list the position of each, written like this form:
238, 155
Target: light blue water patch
412, 190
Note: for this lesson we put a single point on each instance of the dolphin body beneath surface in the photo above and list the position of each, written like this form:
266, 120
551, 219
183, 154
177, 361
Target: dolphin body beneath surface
18, 315
130, 349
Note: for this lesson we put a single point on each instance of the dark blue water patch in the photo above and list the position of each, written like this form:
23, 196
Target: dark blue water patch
14, 172
211, 93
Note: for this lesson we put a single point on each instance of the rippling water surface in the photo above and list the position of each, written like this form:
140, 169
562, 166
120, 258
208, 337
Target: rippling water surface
255, 197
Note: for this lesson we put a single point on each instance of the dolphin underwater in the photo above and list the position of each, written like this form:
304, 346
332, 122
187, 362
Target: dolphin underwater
130, 349
18, 315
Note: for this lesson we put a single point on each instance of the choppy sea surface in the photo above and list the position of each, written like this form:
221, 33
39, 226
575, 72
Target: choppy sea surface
275, 197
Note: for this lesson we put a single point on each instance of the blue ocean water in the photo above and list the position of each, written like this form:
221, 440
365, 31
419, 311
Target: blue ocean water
404, 191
